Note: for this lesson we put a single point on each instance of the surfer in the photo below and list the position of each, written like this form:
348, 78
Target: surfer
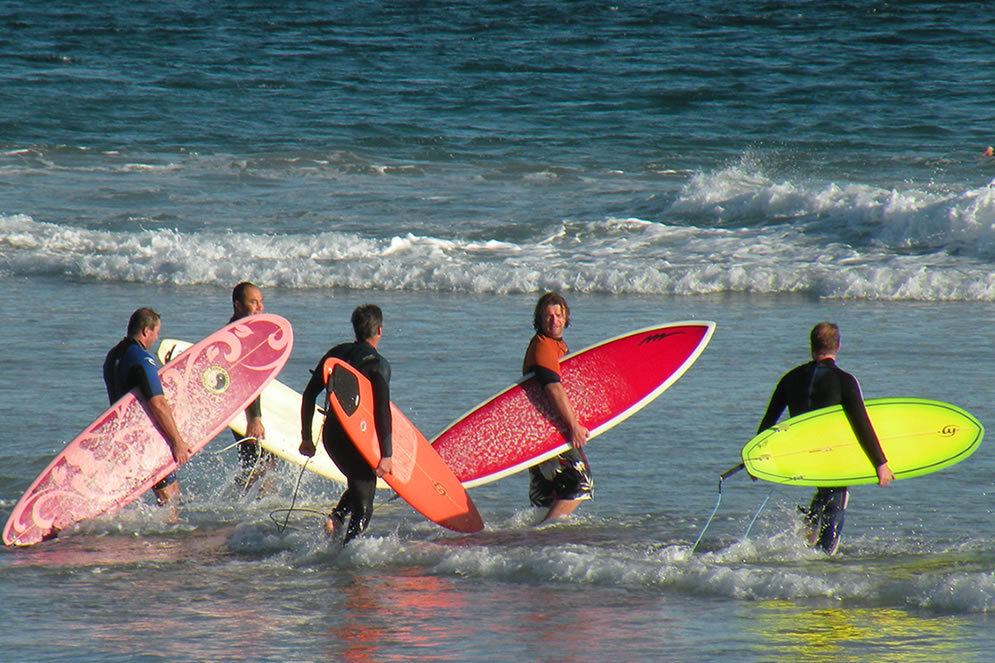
246, 300
361, 479
563, 482
129, 365
818, 384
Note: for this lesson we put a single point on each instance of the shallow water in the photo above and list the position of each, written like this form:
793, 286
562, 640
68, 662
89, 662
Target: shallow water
914, 574
765, 166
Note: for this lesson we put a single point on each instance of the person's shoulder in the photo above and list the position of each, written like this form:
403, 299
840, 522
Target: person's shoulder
800, 369
129, 352
340, 351
548, 343
382, 366
844, 375
839, 371
113, 352
137, 352
140, 355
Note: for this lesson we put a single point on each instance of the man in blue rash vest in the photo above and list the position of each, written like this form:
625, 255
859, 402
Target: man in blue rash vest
246, 300
357, 500
818, 384
129, 365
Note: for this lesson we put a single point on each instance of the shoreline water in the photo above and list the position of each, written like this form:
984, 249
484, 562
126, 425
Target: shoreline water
763, 167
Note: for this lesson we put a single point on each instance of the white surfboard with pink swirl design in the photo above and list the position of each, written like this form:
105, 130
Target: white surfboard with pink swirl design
122, 454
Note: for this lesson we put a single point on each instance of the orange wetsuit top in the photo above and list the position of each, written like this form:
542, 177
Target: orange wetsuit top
543, 357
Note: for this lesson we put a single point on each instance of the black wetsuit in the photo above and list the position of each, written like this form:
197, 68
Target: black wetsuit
361, 478
817, 385
248, 450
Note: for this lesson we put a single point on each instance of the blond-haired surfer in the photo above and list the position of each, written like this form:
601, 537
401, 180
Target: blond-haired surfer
563, 482
821, 383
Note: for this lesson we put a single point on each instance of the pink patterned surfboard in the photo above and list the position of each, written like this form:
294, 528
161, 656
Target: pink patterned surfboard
607, 383
122, 454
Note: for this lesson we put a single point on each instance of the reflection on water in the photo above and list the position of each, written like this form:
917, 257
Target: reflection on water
793, 633
404, 614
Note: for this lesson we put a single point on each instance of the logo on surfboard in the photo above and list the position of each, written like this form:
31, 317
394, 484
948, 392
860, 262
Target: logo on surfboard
216, 380
658, 337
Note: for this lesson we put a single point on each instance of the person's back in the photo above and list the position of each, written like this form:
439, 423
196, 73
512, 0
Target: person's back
361, 478
818, 384
365, 359
126, 366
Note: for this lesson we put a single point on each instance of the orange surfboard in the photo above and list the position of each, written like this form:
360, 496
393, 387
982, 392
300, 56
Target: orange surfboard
419, 475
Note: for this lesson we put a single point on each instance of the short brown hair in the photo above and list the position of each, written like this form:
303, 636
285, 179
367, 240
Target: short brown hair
238, 292
141, 320
825, 338
367, 321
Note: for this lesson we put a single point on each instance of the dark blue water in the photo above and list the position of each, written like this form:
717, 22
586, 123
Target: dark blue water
764, 165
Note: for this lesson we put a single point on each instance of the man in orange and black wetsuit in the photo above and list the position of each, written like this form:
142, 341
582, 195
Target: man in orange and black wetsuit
563, 482
818, 384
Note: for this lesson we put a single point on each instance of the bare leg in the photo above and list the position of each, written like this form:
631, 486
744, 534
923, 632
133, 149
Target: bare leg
561, 508
169, 496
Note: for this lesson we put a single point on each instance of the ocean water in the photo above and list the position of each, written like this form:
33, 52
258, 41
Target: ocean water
764, 165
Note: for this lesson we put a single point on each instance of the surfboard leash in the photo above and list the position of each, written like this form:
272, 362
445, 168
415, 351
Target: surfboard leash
235, 444
756, 515
293, 499
722, 477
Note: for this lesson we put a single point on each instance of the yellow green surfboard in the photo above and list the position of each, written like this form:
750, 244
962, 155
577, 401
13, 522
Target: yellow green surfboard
819, 448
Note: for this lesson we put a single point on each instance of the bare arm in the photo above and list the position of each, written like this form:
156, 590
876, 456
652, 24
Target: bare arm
885, 475
163, 417
311, 391
575, 433
254, 420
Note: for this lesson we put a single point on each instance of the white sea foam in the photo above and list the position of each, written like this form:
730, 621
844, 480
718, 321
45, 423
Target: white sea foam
759, 570
849, 242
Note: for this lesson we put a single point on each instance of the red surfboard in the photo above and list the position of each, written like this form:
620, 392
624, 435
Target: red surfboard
122, 454
606, 383
419, 475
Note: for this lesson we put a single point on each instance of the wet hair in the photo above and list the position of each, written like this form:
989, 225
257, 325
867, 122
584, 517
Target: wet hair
367, 321
554, 299
238, 292
825, 338
141, 320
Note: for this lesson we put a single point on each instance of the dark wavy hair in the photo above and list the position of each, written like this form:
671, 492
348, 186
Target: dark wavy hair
553, 298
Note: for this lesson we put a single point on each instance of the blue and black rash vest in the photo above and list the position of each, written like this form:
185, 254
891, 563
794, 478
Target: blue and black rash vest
365, 359
127, 366
821, 384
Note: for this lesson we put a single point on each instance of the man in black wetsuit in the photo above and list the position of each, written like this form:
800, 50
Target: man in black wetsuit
818, 384
357, 500
246, 300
